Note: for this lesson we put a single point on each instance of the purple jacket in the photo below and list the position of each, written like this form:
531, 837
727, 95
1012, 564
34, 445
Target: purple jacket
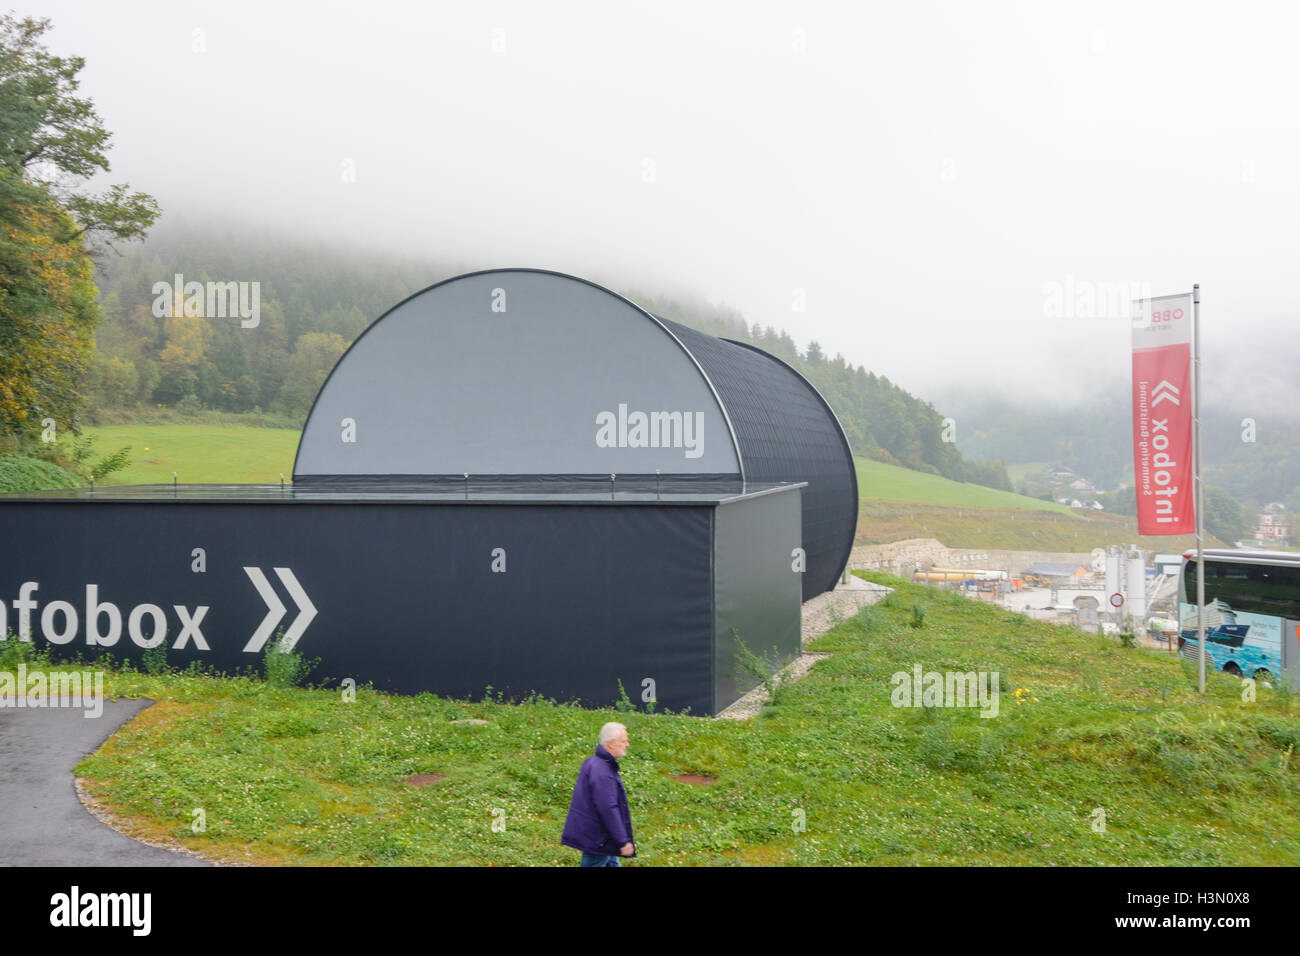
599, 820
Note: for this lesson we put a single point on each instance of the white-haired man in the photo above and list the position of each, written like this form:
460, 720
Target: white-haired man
599, 821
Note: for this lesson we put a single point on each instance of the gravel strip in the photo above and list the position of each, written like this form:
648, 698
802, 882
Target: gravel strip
97, 810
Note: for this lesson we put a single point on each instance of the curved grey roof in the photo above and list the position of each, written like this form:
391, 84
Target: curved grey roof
787, 432
519, 373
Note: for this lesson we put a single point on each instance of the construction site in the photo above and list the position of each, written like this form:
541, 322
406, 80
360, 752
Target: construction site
1110, 590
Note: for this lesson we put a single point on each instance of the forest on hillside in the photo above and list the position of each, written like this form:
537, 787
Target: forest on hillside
1254, 461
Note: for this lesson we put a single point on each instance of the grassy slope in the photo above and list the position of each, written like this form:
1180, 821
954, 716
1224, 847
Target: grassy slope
880, 522
898, 504
235, 453
198, 453
877, 480
299, 776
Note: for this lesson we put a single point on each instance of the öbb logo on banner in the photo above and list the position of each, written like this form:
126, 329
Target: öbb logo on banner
1162, 420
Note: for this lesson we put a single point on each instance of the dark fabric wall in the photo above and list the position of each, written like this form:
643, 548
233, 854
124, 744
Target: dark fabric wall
756, 590
786, 432
405, 593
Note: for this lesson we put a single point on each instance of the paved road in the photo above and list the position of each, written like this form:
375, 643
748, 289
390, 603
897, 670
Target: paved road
42, 823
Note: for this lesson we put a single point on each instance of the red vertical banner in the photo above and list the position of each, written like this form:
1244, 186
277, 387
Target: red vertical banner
1162, 415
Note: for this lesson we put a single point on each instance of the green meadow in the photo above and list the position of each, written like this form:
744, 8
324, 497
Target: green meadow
198, 454
1100, 754
897, 503
877, 480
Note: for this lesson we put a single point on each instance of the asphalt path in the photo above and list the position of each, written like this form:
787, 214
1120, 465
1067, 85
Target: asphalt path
42, 822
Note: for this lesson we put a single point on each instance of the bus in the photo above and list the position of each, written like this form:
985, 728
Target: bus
1252, 612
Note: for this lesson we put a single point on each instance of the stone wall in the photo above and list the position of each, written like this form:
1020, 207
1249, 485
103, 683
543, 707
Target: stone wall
904, 557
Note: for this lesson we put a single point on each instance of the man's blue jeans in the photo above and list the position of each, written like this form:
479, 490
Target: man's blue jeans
596, 859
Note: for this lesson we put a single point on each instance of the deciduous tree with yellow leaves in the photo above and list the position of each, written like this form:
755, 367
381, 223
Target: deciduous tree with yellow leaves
51, 141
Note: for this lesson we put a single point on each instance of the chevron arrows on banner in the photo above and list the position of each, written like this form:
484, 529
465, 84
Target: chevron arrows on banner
1164, 392
275, 610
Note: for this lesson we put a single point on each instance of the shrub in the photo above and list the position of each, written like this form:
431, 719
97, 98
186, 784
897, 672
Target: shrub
20, 473
286, 668
623, 704
155, 660
761, 669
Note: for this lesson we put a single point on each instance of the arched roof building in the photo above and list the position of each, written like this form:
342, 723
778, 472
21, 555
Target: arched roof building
527, 376
513, 479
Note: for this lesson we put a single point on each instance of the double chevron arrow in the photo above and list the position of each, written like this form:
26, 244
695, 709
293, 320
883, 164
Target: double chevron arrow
1164, 392
275, 609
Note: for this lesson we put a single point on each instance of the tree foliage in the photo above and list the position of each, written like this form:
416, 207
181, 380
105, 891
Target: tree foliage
51, 141
1224, 517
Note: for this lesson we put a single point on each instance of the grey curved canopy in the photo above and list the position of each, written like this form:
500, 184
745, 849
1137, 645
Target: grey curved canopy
517, 373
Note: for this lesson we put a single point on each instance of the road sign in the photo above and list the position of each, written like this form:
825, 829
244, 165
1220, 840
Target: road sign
1116, 599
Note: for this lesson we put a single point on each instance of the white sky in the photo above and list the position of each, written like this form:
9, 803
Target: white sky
922, 171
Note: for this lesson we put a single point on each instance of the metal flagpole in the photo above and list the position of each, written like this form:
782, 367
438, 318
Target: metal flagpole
1196, 478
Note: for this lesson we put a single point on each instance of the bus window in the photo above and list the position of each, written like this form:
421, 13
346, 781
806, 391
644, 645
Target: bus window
1256, 588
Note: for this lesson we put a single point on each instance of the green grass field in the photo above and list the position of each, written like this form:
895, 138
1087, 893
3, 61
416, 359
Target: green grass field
897, 503
202, 454
877, 480
300, 776
199, 454
880, 522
